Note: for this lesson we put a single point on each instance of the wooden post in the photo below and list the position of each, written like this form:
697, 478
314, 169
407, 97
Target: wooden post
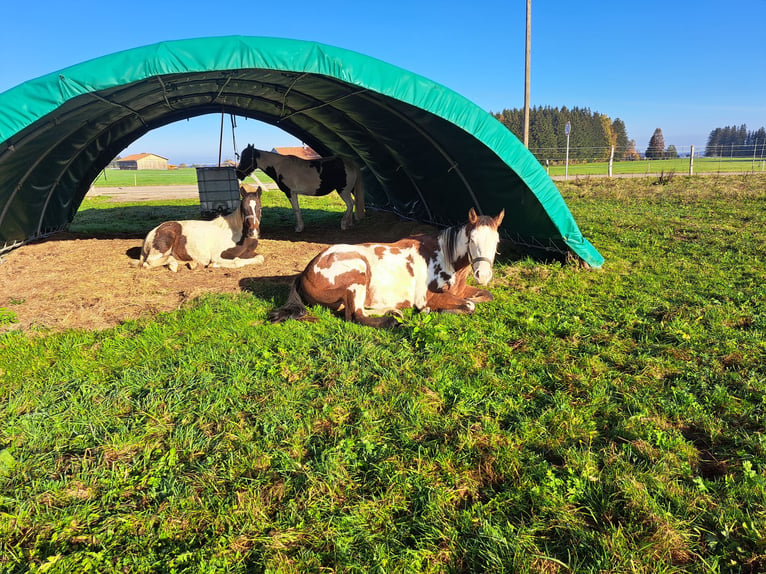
691, 162
527, 60
611, 160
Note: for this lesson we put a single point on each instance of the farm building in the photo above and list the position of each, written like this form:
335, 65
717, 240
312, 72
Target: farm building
303, 152
143, 161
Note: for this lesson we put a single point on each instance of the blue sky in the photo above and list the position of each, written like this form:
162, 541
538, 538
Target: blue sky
684, 67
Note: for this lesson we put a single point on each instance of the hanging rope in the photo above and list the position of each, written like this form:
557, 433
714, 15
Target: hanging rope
220, 140
233, 136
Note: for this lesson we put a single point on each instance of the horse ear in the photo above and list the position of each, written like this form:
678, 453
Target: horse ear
499, 218
472, 217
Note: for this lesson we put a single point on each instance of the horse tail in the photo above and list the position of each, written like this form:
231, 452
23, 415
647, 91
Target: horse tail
358, 192
293, 307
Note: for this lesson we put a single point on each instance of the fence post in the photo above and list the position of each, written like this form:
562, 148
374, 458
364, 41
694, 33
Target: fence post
611, 160
691, 162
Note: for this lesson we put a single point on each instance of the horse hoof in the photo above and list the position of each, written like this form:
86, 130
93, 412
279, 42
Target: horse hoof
390, 322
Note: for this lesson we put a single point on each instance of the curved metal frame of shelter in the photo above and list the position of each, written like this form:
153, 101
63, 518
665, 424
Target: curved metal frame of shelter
427, 153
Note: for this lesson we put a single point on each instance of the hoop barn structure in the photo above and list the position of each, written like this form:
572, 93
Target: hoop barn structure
426, 152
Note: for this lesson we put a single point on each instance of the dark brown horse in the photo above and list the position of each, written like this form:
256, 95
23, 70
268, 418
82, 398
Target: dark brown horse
314, 177
427, 272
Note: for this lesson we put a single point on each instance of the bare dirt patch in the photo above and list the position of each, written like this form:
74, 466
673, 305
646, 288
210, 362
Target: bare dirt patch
75, 281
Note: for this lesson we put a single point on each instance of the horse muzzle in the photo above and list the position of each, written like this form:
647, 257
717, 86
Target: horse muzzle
482, 270
250, 226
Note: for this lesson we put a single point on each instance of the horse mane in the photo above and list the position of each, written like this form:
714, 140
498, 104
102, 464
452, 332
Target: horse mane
448, 238
245, 164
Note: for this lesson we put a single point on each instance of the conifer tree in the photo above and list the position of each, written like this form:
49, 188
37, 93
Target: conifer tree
656, 149
620, 135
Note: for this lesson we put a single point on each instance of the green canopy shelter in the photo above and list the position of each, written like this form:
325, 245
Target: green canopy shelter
427, 153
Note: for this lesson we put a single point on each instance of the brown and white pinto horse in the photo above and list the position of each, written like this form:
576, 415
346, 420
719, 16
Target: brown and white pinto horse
226, 241
427, 272
313, 177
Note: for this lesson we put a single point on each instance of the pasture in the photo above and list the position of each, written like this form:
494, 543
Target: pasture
604, 420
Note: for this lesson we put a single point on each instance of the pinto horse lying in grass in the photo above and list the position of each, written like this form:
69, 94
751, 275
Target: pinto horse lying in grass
427, 272
314, 177
226, 241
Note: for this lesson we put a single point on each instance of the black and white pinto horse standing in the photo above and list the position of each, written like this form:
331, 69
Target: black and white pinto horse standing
314, 177
226, 241
427, 272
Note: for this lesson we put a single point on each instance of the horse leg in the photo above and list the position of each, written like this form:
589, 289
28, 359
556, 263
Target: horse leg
296, 211
461, 289
448, 303
353, 308
347, 220
172, 263
157, 259
358, 193
477, 295
383, 321
237, 262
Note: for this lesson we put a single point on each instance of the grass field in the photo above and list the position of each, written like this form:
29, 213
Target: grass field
152, 177
584, 421
678, 166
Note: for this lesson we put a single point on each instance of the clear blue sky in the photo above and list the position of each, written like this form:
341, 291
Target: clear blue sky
684, 67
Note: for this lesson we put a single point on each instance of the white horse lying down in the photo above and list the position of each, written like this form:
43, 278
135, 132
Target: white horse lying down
226, 241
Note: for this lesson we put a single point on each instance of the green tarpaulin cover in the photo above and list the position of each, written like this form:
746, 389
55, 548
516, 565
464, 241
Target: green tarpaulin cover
427, 153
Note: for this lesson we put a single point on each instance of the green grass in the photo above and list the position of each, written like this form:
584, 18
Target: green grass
585, 420
150, 177
679, 166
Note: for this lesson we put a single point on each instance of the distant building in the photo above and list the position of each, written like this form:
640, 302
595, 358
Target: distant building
143, 161
303, 152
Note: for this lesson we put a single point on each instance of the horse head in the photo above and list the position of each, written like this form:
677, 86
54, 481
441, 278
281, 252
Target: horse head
483, 238
248, 162
250, 209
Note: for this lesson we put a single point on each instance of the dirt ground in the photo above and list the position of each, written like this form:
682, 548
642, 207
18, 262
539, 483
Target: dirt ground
73, 281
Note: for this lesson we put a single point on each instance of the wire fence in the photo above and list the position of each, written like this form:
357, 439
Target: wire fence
688, 160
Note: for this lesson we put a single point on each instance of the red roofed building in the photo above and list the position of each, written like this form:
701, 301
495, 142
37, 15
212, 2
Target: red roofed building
303, 152
143, 161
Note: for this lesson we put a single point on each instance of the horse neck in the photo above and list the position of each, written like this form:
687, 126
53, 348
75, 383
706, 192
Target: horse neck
453, 246
268, 159
233, 220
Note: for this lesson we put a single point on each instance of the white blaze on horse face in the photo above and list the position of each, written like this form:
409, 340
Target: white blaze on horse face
252, 211
482, 244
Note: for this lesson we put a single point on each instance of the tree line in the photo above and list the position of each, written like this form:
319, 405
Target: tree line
733, 141
591, 133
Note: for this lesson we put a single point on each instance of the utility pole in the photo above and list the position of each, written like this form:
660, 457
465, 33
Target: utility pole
527, 64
